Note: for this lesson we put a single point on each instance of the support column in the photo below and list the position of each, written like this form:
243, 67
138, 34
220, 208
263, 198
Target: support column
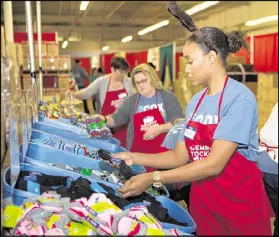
8, 21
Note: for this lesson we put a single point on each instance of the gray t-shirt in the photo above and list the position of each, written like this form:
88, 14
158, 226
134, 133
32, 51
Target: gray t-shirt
173, 136
238, 117
80, 75
153, 102
98, 88
125, 113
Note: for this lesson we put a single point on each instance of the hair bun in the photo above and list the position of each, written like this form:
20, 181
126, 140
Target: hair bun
236, 41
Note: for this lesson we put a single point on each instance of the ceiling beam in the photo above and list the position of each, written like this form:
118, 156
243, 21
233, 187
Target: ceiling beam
60, 7
114, 10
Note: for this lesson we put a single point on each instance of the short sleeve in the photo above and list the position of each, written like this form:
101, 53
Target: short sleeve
237, 123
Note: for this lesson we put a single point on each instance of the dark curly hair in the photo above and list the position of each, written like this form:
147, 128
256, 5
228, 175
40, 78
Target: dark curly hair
210, 38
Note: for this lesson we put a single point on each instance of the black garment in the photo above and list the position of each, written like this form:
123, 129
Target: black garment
86, 110
155, 207
271, 187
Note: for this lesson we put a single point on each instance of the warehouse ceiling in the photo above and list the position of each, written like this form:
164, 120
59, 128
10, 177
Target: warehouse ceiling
107, 22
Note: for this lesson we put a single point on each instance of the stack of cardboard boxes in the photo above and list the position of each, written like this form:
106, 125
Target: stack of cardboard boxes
183, 88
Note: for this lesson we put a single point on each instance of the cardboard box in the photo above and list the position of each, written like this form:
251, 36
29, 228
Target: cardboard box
236, 59
26, 63
64, 62
25, 49
44, 49
3, 51
11, 51
19, 54
64, 81
182, 64
52, 63
44, 63
52, 49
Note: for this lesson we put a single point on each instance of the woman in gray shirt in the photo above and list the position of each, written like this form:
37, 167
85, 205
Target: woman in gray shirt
150, 112
111, 90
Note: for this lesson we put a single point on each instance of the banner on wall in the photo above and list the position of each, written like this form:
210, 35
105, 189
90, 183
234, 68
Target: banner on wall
153, 56
167, 65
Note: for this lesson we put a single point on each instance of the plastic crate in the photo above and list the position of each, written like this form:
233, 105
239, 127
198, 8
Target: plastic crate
70, 131
175, 211
64, 123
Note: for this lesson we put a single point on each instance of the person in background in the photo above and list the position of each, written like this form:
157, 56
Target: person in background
111, 90
268, 160
150, 112
95, 73
80, 75
220, 138
179, 191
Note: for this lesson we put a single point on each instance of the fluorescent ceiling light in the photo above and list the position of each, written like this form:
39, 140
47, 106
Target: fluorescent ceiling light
105, 48
201, 7
126, 39
153, 27
65, 44
71, 39
261, 20
83, 5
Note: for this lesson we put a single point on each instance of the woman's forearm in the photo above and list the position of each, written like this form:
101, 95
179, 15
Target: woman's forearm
110, 121
164, 128
191, 172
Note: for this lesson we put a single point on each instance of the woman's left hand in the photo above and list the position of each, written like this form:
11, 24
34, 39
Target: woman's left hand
152, 132
136, 185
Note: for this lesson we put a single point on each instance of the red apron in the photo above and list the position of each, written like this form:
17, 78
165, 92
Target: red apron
142, 121
112, 101
232, 203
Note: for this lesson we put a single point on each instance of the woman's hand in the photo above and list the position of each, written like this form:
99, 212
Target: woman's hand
136, 185
126, 156
152, 132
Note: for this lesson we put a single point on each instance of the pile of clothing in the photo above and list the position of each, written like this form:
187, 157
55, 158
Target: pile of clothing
94, 214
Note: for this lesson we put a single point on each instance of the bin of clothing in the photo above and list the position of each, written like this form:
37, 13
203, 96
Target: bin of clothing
69, 131
33, 179
39, 154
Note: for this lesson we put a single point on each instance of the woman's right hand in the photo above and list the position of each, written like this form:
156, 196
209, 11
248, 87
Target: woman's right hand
126, 156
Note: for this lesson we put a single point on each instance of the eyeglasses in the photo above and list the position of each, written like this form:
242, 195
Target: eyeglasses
143, 81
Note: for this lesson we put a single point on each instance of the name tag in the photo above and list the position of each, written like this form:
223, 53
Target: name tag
190, 132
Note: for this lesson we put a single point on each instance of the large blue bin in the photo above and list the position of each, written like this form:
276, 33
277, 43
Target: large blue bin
175, 211
47, 154
74, 129
70, 131
41, 155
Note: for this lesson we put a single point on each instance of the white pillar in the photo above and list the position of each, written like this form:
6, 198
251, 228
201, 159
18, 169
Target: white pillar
8, 21
39, 34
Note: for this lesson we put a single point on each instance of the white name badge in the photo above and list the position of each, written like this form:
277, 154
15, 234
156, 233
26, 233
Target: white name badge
190, 132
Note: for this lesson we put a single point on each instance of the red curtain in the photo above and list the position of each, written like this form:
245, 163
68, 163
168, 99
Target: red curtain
105, 62
86, 63
177, 68
141, 57
131, 59
20, 37
266, 53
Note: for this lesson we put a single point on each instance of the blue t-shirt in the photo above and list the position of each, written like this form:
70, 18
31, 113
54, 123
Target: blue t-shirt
238, 117
172, 138
150, 103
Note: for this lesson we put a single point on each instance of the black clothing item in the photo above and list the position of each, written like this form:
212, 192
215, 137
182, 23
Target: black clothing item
271, 187
86, 110
155, 207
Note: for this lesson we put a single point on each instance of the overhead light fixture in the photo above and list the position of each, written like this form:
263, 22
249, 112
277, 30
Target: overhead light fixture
83, 5
201, 7
153, 27
65, 44
261, 20
105, 48
127, 39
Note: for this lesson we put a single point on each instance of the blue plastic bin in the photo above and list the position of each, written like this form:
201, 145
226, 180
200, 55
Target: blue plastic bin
47, 154
174, 210
69, 131
71, 128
